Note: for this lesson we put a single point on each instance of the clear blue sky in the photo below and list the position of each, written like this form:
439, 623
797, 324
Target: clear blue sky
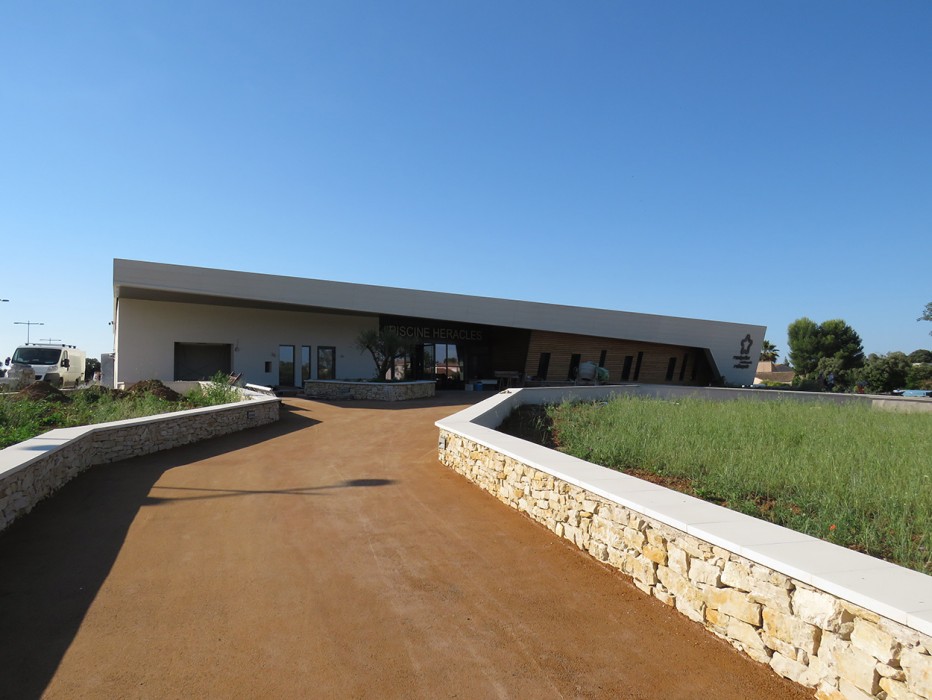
742, 162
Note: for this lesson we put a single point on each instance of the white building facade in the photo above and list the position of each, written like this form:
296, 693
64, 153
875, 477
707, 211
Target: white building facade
179, 322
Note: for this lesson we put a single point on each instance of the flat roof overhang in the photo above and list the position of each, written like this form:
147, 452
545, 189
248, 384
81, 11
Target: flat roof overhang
146, 294
197, 285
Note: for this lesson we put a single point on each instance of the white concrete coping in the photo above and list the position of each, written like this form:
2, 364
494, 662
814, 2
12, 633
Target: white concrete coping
893, 591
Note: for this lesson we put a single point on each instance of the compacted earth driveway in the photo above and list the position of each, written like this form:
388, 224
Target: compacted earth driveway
329, 556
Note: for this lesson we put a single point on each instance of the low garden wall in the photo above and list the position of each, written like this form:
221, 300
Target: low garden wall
834, 620
32, 470
371, 391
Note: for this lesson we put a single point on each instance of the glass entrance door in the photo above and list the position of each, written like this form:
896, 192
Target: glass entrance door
444, 363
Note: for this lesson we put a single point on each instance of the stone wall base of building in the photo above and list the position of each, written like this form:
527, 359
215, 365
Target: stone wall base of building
335, 389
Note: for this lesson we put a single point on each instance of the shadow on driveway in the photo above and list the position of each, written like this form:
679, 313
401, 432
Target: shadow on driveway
55, 559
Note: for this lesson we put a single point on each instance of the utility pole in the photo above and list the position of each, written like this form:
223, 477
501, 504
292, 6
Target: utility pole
29, 325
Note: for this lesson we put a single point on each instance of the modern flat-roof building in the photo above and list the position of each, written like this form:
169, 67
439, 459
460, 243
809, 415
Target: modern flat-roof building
178, 322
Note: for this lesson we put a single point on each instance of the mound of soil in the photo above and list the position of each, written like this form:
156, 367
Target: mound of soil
155, 388
42, 391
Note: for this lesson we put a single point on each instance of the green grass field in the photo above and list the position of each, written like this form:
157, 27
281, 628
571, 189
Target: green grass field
858, 477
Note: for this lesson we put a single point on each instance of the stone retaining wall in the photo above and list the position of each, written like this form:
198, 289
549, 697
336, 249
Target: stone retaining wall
819, 640
334, 389
32, 470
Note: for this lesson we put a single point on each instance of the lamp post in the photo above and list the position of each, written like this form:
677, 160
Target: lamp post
29, 325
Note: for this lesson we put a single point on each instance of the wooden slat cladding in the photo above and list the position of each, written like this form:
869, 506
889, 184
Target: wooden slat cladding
655, 362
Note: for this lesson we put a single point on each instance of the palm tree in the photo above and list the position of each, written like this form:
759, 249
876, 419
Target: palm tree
768, 352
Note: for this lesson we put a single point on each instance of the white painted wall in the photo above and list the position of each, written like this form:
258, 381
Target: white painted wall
148, 330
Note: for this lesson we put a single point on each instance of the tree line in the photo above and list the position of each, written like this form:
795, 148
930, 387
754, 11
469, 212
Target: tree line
829, 356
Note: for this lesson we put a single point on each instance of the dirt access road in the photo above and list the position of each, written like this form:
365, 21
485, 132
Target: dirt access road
329, 556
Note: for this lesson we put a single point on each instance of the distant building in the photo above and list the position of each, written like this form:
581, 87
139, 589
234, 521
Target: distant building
177, 322
773, 373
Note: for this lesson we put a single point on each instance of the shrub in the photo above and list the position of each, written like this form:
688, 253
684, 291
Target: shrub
218, 391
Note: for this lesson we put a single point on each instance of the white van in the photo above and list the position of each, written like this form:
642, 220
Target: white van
59, 365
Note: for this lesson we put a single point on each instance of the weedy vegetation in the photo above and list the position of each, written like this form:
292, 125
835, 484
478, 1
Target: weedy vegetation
39, 408
848, 474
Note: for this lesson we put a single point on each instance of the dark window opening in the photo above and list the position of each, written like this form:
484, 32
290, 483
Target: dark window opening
286, 365
428, 361
268, 367
194, 361
671, 368
543, 365
305, 362
445, 364
602, 358
574, 366
417, 362
683, 367
637, 366
626, 370
326, 362
695, 368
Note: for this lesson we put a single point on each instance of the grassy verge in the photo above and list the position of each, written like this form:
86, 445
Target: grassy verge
847, 474
33, 411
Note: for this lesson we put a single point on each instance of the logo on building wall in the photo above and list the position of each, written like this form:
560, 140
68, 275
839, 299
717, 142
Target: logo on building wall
743, 361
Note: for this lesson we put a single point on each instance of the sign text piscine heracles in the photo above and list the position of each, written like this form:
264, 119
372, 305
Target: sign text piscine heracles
435, 333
